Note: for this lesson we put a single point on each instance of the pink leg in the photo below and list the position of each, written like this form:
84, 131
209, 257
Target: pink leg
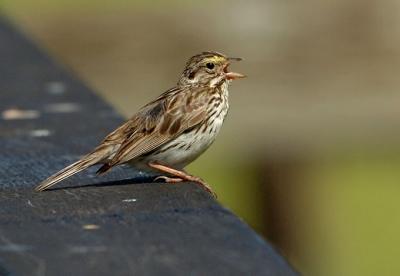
181, 175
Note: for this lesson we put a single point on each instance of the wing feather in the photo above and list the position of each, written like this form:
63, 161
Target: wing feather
160, 122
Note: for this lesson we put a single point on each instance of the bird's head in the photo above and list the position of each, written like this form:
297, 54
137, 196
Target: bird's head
208, 69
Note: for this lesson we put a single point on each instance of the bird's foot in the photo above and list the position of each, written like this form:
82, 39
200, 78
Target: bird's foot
181, 176
201, 183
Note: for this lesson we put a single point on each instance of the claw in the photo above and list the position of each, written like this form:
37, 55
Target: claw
204, 185
181, 177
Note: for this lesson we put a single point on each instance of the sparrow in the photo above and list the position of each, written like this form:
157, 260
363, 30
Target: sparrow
170, 132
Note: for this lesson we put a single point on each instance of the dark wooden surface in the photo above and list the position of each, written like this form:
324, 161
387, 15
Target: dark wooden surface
112, 225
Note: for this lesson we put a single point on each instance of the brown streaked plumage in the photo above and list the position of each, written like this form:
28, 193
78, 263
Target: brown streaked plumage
171, 131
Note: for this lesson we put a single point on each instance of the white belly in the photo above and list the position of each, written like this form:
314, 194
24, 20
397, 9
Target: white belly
188, 146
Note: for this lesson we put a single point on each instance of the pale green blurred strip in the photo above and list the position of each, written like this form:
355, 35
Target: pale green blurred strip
354, 226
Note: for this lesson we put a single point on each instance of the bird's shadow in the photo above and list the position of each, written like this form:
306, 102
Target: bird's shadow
129, 181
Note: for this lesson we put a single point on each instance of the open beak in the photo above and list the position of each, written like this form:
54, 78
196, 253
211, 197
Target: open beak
232, 75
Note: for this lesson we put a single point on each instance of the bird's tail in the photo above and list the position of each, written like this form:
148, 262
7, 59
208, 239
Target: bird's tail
87, 161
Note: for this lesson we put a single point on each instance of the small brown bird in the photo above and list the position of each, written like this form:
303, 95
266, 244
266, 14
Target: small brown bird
170, 132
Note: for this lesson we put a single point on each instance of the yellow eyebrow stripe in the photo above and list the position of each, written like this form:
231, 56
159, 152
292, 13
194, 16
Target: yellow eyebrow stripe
216, 59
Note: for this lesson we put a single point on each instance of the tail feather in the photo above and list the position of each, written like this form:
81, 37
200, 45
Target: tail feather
103, 169
84, 163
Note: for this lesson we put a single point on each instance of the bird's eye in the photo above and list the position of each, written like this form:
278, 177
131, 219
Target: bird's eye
210, 65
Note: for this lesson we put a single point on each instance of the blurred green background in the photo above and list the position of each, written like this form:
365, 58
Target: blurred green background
310, 153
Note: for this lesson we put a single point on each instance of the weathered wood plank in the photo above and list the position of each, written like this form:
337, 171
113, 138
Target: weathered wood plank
113, 225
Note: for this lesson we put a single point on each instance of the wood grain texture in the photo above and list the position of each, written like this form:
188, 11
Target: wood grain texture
112, 225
